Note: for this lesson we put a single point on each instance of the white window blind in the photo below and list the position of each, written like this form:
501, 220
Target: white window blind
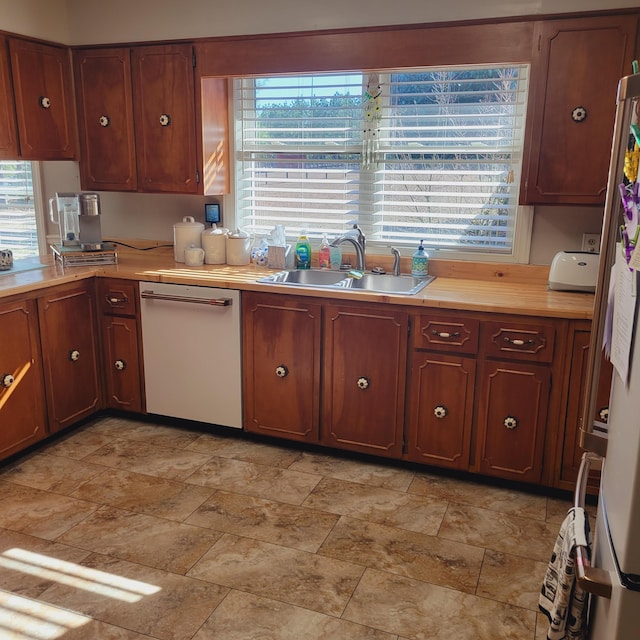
438, 157
18, 229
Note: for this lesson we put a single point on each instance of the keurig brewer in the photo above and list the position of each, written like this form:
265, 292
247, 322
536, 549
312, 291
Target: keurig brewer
78, 217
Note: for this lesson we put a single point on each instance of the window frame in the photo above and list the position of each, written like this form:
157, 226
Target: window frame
523, 220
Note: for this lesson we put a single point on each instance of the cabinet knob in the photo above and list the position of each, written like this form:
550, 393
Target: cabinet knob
120, 365
363, 382
104, 121
510, 422
440, 411
604, 414
282, 371
44, 102
165, 119
7, 380
579, 114
74, 355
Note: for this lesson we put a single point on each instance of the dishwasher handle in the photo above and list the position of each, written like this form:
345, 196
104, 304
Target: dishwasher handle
149, 294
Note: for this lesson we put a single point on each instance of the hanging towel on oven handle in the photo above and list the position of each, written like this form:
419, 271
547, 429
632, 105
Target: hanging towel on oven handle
562, 600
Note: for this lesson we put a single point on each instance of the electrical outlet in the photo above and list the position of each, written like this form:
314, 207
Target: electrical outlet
591, 242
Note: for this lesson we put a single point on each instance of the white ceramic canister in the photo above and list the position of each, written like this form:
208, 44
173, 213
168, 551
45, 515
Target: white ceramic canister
186, 233
238, 248
214, 243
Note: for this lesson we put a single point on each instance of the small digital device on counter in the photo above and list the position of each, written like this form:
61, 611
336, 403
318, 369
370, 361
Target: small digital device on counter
212, 213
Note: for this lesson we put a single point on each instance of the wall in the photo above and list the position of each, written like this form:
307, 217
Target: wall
93, 21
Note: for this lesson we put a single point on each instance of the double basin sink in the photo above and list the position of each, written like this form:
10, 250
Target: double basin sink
372, 282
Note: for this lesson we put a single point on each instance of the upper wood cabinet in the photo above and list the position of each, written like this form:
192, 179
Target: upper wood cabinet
43, 92
8, 129
105, 119
576, 66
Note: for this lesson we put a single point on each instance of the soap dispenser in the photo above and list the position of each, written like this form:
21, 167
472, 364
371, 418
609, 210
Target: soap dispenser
420, 262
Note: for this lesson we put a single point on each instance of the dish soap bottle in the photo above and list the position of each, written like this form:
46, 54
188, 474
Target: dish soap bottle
303, 252
324, 257
420, 262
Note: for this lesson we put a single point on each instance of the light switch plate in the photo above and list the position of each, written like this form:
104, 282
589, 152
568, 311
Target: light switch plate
591, 242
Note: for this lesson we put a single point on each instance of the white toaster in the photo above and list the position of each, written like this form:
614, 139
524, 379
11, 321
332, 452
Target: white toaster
574, 271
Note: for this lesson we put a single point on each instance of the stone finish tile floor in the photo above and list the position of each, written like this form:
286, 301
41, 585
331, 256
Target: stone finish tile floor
130, 530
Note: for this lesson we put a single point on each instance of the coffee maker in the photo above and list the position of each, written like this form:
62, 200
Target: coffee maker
78, 217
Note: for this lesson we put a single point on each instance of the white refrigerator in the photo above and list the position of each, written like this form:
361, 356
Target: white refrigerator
614, 614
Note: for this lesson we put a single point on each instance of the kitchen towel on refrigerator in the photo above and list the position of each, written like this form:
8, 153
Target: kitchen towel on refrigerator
561, 599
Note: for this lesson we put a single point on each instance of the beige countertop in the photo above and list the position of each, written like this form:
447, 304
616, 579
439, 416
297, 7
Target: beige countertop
517, 289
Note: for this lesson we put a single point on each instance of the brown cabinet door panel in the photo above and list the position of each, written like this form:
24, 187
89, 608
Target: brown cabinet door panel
105, 115
281, 370
44, 103
572, 107
511, 419
69, 349
440, 409
165, 121
364, 379
8, 127
22, 408
122, 363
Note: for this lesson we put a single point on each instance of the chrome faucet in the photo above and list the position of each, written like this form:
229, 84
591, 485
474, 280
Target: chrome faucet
360, 257
396, 261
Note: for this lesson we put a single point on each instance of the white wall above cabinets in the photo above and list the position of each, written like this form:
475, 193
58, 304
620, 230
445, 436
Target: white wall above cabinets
44, 19
141, 20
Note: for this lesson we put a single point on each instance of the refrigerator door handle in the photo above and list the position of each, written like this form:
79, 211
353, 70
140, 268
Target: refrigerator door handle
591, 579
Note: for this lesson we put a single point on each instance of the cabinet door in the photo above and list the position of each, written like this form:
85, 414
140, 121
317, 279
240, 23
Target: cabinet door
21, 389
364, 372
121, 363
281, 372
575, 74
165, 118
69, 351
8, 129
511, 417
44, 103
571, 450
440, 409
105, 118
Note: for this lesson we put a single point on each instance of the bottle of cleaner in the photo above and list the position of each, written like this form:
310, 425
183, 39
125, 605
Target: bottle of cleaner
303, 252
420, 262
324, 257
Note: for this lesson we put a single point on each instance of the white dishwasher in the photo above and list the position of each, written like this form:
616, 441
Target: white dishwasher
192, 352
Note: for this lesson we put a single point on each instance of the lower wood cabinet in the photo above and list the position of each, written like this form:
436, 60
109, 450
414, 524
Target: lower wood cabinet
120, 329
22, 404
281, 372
512, 406
67, 319
440, 409
363, 384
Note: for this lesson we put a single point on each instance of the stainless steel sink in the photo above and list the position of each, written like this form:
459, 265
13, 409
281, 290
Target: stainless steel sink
377, 283
385, 283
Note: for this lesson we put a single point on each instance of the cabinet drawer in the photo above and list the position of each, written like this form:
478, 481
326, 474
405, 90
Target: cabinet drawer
118, 298
450, 333
514, 341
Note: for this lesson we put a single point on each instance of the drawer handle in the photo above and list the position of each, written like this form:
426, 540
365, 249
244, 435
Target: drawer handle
510, 422
116, 300
446, 334
363, 382
7, 380
74, 355
282, 371
120, 365
440, 411
516, 342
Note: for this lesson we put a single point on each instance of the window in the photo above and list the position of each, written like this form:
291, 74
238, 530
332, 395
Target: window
423, 154
18, 217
